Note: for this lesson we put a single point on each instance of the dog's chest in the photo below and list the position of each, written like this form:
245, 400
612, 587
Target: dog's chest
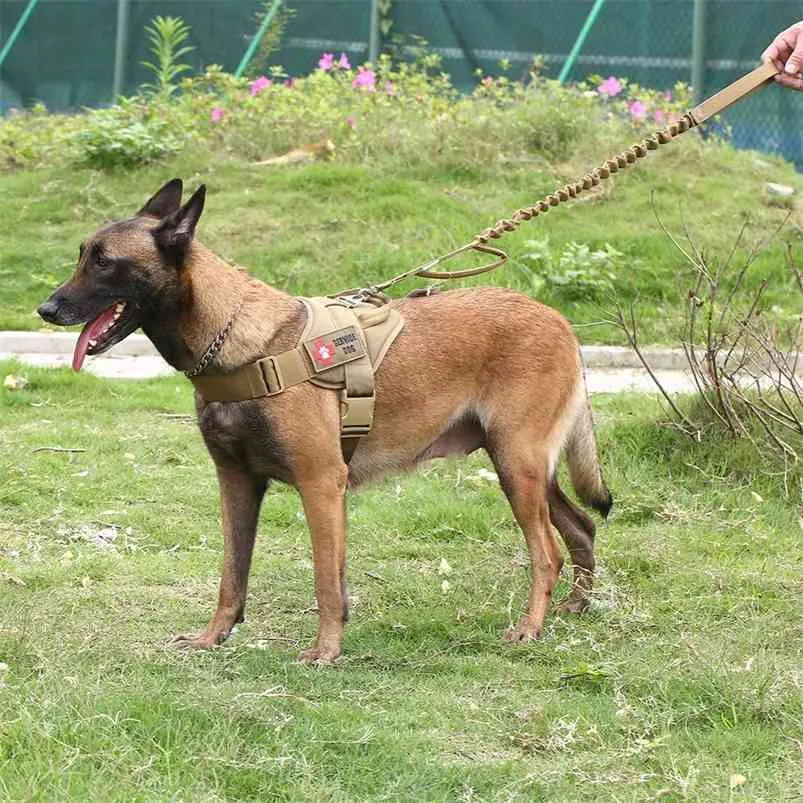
242, 433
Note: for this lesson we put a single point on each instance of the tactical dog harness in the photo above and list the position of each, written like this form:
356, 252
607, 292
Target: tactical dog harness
346, 337
342, 346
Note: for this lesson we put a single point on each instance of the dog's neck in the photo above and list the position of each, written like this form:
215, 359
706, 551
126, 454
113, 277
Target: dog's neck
217, 297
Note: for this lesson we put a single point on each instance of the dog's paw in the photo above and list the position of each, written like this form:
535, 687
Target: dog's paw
524, 631
322, 656
196, 641
573, 604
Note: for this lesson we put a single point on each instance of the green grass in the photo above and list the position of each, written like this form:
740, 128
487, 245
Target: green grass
327, 227
682, 677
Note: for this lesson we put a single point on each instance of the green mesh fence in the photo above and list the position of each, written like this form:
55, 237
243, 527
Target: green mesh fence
65, 56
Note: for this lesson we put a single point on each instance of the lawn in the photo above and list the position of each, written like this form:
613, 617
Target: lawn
330, 226
681, 682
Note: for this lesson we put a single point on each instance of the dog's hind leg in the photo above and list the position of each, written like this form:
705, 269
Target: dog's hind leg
240, 497
523, 474
577, 530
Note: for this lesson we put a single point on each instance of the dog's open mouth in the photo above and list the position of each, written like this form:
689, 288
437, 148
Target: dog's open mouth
110, 327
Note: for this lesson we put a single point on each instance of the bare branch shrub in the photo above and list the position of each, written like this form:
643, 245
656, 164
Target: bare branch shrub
746, 366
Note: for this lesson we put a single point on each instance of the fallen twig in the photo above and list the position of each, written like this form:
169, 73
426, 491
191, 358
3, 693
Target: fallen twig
67, 449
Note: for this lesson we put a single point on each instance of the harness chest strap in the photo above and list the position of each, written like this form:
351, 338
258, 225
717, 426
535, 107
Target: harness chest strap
341, 348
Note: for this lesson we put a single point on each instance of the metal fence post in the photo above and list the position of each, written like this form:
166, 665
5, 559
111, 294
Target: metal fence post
373, 33
14, 35
120, 47
698, 51
581, 40
251, 49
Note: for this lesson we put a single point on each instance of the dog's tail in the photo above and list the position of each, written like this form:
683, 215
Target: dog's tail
582, 456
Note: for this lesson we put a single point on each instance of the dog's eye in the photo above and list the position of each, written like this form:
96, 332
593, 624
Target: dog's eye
103, 261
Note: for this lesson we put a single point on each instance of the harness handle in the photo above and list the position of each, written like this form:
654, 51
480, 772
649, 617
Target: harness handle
426, 270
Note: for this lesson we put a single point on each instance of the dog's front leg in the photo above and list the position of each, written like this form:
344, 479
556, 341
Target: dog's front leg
240, 498
323, 497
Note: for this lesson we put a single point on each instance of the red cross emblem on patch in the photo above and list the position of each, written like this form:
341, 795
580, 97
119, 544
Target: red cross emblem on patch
323, 352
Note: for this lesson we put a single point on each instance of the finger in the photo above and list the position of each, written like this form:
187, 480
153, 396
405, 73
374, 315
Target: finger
783, 45
777, 63
772, 53
790, 81
794, 64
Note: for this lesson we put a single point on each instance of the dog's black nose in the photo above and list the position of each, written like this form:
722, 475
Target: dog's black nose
49, 310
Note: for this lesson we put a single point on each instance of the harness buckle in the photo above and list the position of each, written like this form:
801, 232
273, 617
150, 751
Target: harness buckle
272, 374
357, 414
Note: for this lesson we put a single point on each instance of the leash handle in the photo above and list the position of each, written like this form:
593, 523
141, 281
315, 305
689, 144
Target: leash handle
739, 89
717, 103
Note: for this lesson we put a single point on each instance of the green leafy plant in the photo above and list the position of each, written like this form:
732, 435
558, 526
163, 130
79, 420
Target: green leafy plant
578, 272
122, 136
385, 8
167, 35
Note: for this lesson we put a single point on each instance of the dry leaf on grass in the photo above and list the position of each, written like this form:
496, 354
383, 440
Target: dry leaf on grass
311, 152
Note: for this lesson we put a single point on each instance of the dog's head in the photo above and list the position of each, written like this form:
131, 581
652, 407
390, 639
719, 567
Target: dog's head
128, 272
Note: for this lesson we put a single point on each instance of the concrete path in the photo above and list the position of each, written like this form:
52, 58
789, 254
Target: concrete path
609, 369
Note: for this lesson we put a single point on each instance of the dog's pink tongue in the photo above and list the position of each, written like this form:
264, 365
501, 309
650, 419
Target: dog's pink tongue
90, 332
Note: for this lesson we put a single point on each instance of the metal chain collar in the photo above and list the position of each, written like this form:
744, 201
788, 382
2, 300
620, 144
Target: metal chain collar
214, 347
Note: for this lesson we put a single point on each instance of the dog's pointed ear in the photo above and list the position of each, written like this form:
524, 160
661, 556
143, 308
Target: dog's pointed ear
166, 201
176, 231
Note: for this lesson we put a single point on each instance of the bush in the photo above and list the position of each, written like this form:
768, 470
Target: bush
125, 135
35, 137
743, 356
407, 112
578, 272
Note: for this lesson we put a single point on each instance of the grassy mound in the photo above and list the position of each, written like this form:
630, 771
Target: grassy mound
326, 227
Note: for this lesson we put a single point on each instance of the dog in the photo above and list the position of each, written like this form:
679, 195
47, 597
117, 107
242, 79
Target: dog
481, 368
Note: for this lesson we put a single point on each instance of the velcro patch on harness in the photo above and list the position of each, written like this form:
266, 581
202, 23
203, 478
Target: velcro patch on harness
335, 348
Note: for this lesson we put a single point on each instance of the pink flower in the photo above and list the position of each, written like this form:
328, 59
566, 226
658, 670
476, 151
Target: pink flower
217, 114
290, 83
326, 61
255, 87
487, 81
351, 122
389, 88
366, 79
610, 87
344, 62
638, 111
660, 117
668, 95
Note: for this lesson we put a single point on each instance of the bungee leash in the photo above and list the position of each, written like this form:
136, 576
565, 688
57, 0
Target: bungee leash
717, 103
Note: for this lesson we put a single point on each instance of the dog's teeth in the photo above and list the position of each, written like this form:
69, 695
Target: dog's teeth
93, 342
120, 307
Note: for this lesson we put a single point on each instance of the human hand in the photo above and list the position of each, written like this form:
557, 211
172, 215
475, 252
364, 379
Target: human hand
786, 53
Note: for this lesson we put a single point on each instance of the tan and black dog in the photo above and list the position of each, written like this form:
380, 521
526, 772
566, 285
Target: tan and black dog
479, 368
